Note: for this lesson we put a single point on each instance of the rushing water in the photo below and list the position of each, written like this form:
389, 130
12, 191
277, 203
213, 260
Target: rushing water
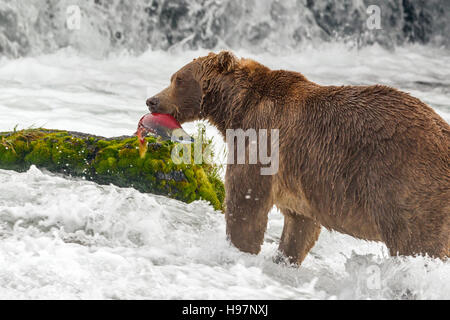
40, 26
69, 238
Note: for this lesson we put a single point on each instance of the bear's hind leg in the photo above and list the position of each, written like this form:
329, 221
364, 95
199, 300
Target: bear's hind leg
299, 236
416, 234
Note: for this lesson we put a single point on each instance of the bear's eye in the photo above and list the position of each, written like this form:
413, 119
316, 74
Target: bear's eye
178, 80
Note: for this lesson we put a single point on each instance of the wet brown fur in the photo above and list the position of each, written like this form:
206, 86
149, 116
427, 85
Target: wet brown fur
369, 161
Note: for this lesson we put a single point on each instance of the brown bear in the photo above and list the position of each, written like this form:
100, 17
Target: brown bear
369, 161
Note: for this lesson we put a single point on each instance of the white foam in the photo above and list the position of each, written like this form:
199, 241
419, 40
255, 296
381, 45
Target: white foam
66, 238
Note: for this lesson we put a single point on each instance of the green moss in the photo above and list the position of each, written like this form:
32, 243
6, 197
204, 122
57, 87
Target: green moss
114, 160
9, 158
40, 155
205, 189
218, 187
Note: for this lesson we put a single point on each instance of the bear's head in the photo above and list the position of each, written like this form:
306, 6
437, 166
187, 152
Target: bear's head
183, 98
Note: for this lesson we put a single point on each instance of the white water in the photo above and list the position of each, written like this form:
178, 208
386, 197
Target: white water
43, 26
67, 238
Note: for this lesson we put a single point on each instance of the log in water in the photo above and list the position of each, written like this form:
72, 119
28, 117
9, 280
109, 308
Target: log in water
111, 160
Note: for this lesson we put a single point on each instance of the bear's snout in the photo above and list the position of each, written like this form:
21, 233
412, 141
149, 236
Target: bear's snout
153, 104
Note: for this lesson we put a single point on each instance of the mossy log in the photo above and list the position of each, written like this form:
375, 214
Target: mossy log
111, 160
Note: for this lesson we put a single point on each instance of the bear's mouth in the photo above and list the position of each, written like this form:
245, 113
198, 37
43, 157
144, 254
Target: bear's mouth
163, 126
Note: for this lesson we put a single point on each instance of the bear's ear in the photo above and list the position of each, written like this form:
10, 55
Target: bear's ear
226, 61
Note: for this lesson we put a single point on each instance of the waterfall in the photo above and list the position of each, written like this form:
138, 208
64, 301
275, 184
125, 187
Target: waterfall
42, 26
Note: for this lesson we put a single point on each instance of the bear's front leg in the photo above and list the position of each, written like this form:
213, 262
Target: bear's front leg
299, 235
248, 201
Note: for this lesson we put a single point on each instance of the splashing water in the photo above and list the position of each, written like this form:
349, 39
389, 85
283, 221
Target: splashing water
43, 26
63, 238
